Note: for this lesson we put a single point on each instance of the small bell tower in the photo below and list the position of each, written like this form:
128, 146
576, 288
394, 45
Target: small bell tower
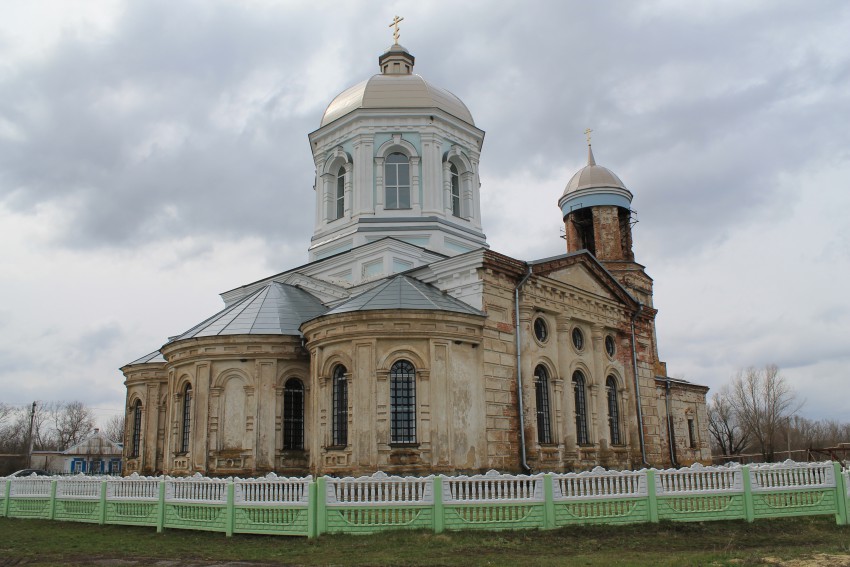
597, 213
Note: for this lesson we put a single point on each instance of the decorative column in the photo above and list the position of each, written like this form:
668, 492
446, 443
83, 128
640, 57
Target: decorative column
379, 183
348, 191
328, 186
447, 188
466, 204
415, 188
432, 174
562, 327
363, 171
600, 412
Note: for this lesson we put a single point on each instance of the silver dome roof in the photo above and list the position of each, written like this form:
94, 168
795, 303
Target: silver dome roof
395, 87
592, 176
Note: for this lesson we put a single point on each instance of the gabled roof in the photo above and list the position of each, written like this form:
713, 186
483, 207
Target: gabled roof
95, 444
274, 309
404, 292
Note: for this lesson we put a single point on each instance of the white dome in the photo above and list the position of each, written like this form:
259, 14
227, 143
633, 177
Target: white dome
395, 89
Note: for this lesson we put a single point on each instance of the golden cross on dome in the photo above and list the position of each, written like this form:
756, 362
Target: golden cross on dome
394, 25
587, 133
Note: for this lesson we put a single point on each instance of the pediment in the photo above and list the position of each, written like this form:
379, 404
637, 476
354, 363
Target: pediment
583, 272
579, 276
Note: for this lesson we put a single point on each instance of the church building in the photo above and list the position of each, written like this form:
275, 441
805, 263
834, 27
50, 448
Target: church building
405, 344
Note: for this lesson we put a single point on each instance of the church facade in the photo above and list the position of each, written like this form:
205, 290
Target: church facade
405, 344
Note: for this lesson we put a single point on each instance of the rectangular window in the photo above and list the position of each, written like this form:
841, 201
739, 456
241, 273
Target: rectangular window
397, 182
293, 415
692, 438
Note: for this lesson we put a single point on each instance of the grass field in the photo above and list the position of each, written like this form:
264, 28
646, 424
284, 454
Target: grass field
795, 541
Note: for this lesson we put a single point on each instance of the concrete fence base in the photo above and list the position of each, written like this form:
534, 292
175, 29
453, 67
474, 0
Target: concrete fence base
371, 504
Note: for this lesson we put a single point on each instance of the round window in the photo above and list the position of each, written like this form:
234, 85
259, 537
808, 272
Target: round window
541, 331
578, 338
609, 345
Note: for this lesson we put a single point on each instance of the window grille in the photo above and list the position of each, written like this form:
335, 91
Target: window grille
187, 418
402, 403
340, 406
293, 415
541, 391
455, 190
137, 428
613, 410
397, 181
581, 408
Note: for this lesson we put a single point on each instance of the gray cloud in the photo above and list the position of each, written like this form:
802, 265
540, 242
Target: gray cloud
185, 125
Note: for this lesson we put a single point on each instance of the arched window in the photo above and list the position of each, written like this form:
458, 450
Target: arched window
293, 415
613, 410
340, 407
402, 403
541, 393
581, 408
187, 418
397, 181
455, 190
137, 429
340, 193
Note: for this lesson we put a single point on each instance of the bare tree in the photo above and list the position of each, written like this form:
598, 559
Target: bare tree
72, 422
55, 426
763, 403
728, 436
114, 428
6, 411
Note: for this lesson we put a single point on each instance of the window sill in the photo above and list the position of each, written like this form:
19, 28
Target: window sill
404, 445
336, 447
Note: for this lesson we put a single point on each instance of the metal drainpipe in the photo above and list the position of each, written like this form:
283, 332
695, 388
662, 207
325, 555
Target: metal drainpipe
523, 463
637, 389
672, 441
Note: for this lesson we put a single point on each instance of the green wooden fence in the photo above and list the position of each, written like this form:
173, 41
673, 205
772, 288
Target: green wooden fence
371, 504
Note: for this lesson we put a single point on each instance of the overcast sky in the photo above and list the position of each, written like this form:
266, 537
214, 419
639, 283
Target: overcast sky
154, 154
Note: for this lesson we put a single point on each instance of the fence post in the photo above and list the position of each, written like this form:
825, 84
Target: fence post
8, 491
841, 494
230, 513
548, 503
652, 497
160, 515
102, 519
321, 506
439, 511
52, 513
311, 510
749, 509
